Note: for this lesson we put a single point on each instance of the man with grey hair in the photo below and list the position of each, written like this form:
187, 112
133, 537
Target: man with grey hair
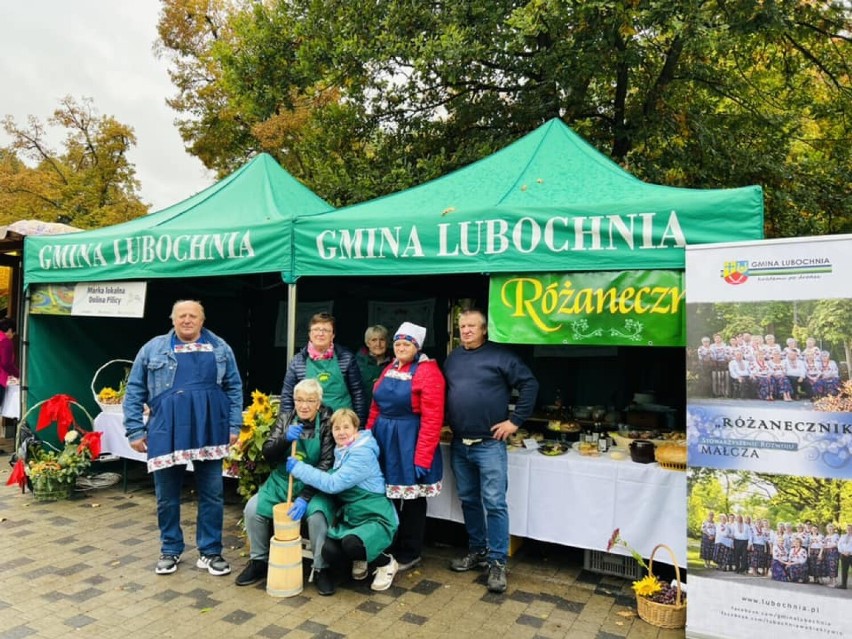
189, 380
480, 377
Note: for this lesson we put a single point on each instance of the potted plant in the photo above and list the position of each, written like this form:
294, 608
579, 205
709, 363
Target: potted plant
52, 472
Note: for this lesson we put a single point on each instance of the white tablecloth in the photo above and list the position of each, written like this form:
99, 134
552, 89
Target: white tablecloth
578, 501
113, 439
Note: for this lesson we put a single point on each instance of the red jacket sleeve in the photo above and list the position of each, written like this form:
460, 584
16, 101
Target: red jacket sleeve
427, 399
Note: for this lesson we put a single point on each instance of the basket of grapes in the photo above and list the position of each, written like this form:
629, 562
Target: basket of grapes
660, 604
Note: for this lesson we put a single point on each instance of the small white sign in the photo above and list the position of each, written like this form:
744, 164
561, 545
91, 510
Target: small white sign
109, 299
531, 444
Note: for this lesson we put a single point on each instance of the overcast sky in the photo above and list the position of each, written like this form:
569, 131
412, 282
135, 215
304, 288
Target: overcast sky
100, 49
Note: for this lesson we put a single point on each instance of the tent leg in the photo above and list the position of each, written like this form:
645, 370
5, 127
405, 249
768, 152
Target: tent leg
291, 321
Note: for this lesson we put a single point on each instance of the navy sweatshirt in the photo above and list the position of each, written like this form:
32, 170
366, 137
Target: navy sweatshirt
479, 388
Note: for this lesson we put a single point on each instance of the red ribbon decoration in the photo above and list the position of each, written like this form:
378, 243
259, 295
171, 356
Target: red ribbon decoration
56, 409
92, 441
18, 475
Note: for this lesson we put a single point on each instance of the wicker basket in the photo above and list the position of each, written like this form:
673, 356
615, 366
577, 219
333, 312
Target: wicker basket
671, 466
670, 616
107, 408
59, 491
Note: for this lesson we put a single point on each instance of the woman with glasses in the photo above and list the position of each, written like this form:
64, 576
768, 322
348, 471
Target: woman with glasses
308, 424
333, 366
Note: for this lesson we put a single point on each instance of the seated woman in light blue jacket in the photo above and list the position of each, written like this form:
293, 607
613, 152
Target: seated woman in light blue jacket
361, 519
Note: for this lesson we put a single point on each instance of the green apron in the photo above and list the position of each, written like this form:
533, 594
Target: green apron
335, 392
369, 516
274, 489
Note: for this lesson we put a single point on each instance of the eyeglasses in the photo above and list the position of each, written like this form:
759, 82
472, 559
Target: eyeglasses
306, 401
321, 330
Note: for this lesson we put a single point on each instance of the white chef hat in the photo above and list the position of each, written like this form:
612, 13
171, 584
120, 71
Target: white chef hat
411, 332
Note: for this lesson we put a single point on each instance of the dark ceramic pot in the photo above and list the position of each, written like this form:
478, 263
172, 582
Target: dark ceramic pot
642, 451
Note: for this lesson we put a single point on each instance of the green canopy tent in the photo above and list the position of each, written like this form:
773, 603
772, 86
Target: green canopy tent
213, 246
547, 202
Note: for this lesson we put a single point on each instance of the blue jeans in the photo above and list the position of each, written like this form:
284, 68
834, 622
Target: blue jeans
482, 479
259, 531
168, 483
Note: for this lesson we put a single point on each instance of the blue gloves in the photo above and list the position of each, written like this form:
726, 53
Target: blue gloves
291, 462
297, 510
420, 472
294, 432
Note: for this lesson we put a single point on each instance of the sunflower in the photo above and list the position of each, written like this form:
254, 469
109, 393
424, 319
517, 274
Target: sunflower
647, 586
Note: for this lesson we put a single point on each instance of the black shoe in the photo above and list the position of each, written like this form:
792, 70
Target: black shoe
471, 560
324, 582
254, 571
497, 577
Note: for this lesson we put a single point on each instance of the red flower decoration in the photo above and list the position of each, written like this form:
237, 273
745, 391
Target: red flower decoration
92, 441
56, 409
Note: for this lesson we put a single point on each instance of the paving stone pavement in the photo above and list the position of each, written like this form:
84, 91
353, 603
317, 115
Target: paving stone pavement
84, 568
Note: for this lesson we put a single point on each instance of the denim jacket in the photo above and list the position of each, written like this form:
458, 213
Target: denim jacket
153, 372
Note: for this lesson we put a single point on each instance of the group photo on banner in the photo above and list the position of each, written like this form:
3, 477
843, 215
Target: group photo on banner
769, 436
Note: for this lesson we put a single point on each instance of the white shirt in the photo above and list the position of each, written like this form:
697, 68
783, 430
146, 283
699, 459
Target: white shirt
845, 545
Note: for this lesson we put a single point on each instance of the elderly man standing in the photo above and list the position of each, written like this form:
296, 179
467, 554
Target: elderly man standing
480, 377
188, 378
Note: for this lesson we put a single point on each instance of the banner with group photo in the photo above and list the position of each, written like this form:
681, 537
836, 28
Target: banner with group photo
627, 308
769, 435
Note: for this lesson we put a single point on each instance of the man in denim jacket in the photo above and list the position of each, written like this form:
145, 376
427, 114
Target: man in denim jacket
189, 380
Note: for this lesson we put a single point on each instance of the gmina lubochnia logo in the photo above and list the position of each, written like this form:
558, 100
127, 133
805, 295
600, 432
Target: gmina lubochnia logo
737, 272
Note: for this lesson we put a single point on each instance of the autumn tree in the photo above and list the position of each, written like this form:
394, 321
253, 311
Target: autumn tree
88, 183
360, 99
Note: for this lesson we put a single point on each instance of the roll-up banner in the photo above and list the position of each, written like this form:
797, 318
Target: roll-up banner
769, 432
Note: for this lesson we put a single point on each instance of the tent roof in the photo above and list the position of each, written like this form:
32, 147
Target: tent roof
549, 201
240, 225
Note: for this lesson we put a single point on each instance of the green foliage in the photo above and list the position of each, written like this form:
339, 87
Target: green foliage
778, 498
50, 471
89, 183
362, 99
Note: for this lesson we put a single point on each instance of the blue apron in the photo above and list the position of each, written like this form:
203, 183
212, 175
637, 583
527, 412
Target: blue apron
396, 430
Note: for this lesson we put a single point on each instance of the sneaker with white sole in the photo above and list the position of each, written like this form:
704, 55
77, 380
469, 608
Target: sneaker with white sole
214, 564
167, 564
384, 575
359, 570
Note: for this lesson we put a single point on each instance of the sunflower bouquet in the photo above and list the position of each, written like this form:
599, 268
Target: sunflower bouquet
245, 460
658, 603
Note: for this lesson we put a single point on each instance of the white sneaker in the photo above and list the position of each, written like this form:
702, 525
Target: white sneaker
359, 570
384, 576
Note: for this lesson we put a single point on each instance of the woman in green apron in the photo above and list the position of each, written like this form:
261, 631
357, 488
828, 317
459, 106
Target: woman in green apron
362, 521
333, 366
308, 425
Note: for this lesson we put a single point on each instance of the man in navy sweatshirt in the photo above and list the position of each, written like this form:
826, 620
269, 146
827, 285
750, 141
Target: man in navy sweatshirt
480, 377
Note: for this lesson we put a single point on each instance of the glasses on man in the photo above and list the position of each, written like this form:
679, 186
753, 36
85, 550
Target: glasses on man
320, 330
306, 401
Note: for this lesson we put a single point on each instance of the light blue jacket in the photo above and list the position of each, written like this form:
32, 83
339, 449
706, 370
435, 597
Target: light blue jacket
153, 372
354, 465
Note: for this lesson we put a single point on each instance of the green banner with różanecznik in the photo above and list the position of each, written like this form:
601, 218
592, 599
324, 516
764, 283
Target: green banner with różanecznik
614, 308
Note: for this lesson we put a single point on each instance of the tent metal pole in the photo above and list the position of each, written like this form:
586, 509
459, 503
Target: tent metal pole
291, 321
25, 347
